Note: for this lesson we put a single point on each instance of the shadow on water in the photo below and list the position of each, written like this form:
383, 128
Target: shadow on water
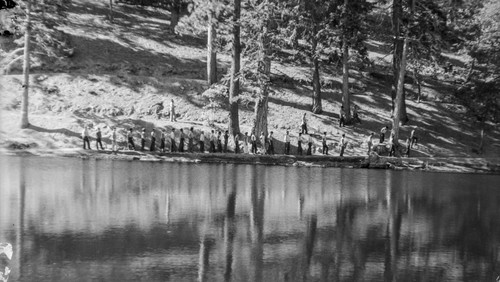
126, 220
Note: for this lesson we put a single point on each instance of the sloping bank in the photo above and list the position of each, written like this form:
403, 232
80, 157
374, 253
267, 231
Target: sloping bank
441, 164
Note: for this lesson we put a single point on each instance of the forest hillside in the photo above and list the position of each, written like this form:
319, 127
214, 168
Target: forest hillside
112, 72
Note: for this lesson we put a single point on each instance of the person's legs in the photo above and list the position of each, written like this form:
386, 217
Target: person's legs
202, 147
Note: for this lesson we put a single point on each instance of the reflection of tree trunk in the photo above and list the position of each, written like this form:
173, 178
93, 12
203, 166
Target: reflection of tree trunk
393, 234
309, 244
257, 225
18, 252
229, 232
205, 246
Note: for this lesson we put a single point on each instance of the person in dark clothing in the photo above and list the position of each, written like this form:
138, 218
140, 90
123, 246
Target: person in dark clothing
219, 142
143, 139
162, 141
85, 137
355, 114
413, 138
153, 141
190, 139
287, 143
408, 146
213, 139
270, 141
98, 139
304, 124
382, 134
172, 140
226, 140
325, 147
343, 145
342, 117
299, 144
130, 139
181, 141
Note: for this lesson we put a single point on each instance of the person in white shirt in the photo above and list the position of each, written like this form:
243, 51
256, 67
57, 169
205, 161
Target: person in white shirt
304, 124
382, 134
286, 139
172, 110
245, 143
172, 140
253, 139
213, 139
262, 139
85, 137
202, 142
343, 144
309, 144
369, 142
270, 142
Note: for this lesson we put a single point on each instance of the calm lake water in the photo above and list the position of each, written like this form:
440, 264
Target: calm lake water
82, 220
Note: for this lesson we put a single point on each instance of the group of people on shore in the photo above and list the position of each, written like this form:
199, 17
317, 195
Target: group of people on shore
218, 142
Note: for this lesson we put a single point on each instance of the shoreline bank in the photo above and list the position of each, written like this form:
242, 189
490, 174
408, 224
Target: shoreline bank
430, 164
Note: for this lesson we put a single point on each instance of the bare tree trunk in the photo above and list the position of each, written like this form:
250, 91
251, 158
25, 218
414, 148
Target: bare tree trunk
175, 13
418, 81
397, 14
111, 10
264, 72
317, 108
211, 51
399, 93
234, 87
345, 78
26, 68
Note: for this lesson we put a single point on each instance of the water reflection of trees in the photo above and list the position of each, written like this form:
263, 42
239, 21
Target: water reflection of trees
250, 223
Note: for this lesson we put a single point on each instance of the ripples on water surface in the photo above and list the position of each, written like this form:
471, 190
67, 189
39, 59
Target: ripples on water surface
80, 220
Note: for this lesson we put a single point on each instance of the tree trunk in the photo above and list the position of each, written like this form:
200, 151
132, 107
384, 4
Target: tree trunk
397, 14
399, 93
175, 14
317, 108
264, 72
26, 68
211, 51
234, 87
111, 10
345, 79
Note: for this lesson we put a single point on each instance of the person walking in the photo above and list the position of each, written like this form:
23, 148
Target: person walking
236, 143
299, 144
286, 139
383, 130
369, 143
245, 143
270, 141
172, 111
162, 141
130, 139
202, 142
143, 139
226, 140
98, 139
325, 147
219, 142
413, 138
408, 147
342, 117
85, 137
114, 147
181, 141
355, 114
304, 124
153, 141
253, 140
212, 142
343, 144
190, 139
309, 144
172, 140
392, 144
